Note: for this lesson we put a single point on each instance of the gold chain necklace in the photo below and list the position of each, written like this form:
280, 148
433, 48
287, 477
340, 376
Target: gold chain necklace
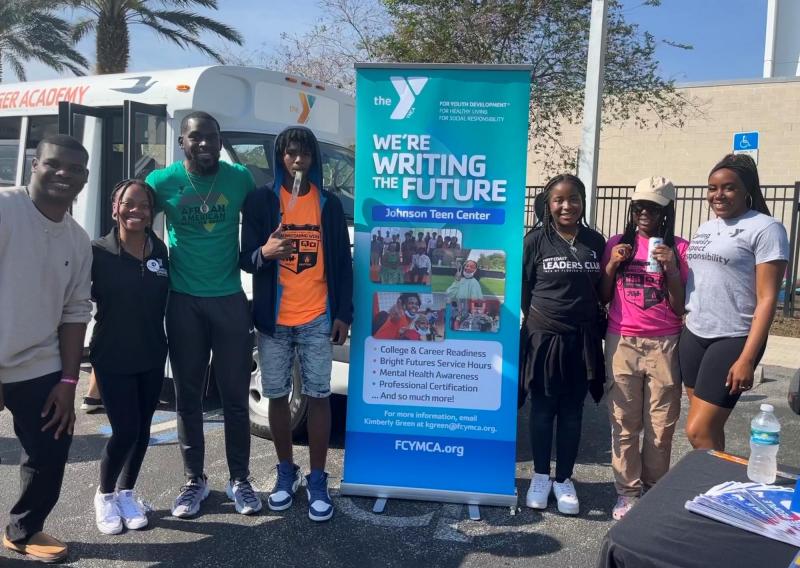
204, 208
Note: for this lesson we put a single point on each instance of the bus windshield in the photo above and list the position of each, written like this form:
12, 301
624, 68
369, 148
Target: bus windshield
256, 152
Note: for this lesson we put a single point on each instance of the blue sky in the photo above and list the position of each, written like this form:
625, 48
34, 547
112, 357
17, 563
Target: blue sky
727, 35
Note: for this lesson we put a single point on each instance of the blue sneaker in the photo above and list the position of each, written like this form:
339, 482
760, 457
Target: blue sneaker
320, 507
288, 481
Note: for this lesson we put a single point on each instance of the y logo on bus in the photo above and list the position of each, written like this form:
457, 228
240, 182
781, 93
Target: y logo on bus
307, 102
408, 89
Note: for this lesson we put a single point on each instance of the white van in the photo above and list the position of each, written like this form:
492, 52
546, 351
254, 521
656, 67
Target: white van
130, 124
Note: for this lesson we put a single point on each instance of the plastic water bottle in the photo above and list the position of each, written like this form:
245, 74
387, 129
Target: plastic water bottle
764, 438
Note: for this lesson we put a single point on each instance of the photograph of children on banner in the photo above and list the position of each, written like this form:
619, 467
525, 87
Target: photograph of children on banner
474, 282
401, 255
479, 315
408, 315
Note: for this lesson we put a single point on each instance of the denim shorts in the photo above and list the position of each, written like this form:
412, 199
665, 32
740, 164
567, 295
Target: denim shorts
312, 342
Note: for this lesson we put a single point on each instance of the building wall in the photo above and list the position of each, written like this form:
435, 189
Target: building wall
769, 106
786, 56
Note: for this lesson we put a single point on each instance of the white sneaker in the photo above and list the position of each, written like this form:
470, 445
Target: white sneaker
106, 513
193, 493
244, 496
131, 509
539, 491
566, 496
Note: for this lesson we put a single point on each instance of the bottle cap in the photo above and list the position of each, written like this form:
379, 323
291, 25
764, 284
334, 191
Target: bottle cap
767, 408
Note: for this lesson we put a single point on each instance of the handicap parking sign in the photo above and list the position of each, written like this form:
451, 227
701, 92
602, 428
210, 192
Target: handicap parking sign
745, 141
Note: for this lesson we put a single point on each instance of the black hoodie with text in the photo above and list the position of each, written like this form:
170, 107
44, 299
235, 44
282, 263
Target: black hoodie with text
131, 298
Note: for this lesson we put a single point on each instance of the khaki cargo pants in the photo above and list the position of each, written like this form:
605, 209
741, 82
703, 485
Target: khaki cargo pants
643, 393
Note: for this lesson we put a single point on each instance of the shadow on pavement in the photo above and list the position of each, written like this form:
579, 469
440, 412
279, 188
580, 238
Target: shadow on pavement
595, 437
215, 549
84, 448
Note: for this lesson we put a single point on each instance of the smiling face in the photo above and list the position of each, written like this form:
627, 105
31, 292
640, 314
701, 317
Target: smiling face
727, 195
133, 208
470, 268
201, 143
411, 305
566, 205
58, 175
422, 323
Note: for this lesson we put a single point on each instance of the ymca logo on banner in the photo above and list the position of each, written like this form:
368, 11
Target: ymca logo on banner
408, 90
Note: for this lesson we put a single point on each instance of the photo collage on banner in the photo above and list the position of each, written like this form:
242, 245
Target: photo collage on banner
440, 189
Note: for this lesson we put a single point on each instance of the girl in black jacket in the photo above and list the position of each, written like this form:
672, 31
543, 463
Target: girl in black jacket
561, 337
128, 348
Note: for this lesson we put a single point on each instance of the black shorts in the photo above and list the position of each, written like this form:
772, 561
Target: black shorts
705, 364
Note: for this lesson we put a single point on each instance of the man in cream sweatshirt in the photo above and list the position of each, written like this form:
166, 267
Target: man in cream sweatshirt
45, 273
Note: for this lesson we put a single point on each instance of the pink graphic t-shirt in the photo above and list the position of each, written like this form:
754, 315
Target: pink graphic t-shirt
640, 306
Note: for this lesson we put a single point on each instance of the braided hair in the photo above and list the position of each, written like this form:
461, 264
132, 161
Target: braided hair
541, 204
303, 137
117, 195
747, 171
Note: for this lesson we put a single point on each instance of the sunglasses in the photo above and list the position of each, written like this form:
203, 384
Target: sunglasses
639, 207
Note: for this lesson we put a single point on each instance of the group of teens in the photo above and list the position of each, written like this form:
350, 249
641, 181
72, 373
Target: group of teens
703, 319
185, 301
598, 320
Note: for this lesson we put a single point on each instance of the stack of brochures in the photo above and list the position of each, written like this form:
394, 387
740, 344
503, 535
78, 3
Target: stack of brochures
754, 507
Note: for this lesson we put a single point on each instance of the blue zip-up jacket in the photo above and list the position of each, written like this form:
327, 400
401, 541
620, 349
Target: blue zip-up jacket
260, 217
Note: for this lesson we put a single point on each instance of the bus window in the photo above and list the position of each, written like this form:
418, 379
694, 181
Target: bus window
39, 127
149, 147
9, 150
254, 151
338, 170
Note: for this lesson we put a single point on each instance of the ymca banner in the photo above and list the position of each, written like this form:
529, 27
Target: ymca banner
441, 153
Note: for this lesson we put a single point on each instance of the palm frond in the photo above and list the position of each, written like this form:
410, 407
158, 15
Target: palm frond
83, 28
16, 66
196, 23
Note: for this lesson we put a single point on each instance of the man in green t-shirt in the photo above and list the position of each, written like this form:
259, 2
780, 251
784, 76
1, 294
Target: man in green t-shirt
207, 310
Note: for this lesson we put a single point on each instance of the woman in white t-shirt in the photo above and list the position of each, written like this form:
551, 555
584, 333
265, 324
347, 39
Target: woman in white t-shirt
736, 262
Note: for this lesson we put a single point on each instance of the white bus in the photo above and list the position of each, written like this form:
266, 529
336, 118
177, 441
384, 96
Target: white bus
130, 125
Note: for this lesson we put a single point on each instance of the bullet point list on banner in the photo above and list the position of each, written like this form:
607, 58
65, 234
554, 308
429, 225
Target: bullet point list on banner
449, 374
416, 213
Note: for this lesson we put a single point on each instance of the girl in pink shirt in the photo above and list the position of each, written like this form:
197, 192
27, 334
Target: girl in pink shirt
644, 323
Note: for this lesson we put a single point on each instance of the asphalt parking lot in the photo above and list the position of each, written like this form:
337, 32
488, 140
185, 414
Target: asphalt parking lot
407, 534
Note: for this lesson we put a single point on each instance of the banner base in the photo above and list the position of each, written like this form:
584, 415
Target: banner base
439, 495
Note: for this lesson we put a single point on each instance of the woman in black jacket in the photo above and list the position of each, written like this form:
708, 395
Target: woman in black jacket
561, 347
129, 347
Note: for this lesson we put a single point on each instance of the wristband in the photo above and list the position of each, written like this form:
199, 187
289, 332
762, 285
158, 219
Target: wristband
69, 379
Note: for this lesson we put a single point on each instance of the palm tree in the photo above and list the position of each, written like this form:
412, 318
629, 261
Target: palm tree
29, 30
110, 20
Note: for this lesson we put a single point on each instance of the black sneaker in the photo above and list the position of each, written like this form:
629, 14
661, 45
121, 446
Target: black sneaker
91, 404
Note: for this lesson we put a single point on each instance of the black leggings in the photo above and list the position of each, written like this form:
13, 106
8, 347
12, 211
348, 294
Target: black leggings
567, 410
130, 401
705, 364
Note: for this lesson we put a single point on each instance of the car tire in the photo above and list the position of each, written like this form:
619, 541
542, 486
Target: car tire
259, 405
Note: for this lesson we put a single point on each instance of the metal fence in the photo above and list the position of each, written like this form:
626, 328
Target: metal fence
691, 210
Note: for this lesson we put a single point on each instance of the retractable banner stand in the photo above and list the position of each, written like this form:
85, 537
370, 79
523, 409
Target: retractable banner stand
441, 152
